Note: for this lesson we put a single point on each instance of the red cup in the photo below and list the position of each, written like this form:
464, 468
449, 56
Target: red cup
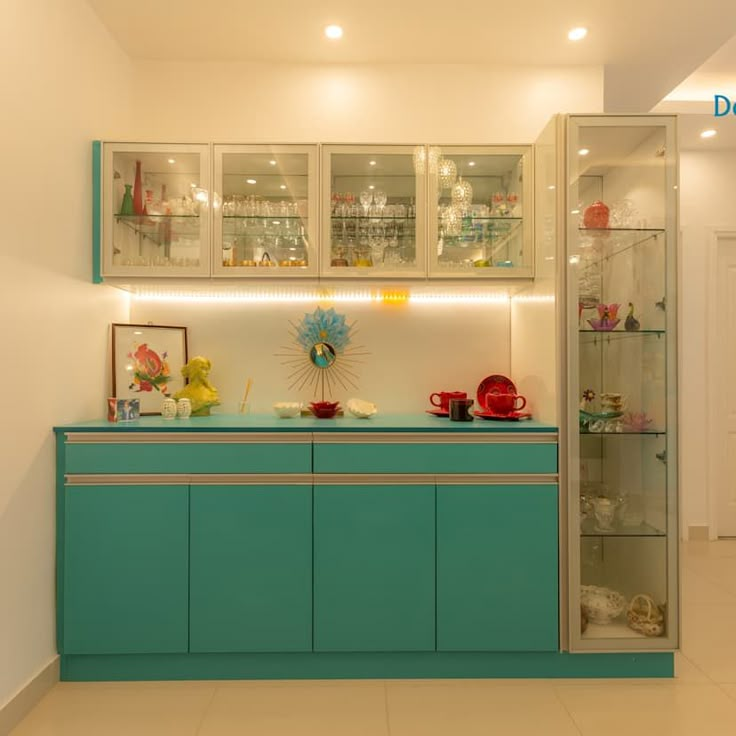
443, 398
504, 404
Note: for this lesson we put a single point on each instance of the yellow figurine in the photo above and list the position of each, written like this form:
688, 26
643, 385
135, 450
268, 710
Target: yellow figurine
199, 390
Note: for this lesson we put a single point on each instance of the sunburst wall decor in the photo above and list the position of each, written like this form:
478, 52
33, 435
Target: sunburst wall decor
323, 356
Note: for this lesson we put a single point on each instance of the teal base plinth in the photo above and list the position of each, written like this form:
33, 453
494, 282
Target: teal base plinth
364, 665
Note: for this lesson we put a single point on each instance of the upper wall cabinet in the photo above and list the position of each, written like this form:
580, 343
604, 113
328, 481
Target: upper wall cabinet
373, 212
265, 211
155, 209
480, 201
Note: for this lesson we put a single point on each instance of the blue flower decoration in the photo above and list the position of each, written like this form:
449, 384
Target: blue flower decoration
323, 326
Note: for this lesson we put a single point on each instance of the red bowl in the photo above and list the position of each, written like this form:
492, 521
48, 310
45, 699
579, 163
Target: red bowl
324, 409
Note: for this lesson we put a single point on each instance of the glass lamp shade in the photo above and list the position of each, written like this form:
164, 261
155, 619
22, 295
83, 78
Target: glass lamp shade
420, 160
462, 193
447, 172
435, 154
452, 220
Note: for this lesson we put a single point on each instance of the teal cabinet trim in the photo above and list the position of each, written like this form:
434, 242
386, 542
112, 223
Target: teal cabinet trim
366, 665
141, 457
96, 212
398, 457
374, 568
497, 568
399, 424
60, 537
250, 568
125, 569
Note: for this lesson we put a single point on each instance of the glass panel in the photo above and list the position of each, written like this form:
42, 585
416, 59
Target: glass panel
265, 215
373, 212
624, 495
158, 201
480, 208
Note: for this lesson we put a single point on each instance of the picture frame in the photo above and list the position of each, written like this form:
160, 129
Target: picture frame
147, 362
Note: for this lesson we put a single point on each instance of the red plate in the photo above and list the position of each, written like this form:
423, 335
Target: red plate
438, 412
496, 384
515, 416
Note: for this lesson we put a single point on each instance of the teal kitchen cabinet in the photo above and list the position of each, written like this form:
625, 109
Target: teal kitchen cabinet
374, 567
251, 568
497, 568
125, 581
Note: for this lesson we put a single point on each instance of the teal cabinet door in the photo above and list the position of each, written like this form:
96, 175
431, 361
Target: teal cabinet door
124, 587
497, 568
251, 568
374, 568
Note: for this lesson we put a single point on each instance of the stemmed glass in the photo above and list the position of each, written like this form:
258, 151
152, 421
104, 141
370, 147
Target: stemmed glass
366, 199
380, 198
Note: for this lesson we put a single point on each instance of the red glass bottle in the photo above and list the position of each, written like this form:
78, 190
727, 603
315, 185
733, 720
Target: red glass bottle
138, 206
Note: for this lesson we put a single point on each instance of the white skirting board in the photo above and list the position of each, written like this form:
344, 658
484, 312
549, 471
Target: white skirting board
21, 704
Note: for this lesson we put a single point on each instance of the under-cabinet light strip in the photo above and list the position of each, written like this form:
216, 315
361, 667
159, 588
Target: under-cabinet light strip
290, 297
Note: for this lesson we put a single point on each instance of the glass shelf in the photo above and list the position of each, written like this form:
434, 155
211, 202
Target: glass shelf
161, 229
622, 333
647, 433
263, 218
352, 218
614, 241
615, 630
587, 530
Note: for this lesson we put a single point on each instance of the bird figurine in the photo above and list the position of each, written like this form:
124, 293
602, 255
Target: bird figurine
631, 324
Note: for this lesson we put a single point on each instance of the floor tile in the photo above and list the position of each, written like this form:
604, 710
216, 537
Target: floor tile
709, 640
298, 709
730, 690
119, 709
477, 709
687, 672
696, 589
662, 709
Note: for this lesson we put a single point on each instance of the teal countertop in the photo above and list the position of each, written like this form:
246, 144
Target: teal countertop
271, 423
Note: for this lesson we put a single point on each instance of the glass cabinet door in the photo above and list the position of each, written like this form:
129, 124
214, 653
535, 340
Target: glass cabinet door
621, 312
266, 225
156, 204
373, 201
480, 205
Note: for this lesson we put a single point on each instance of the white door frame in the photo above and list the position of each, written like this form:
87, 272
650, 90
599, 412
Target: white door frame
711, 362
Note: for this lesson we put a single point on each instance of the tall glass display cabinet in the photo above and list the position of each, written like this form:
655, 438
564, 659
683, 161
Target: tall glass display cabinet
480, 200
266, 221
373, 212
621, 313
155, 210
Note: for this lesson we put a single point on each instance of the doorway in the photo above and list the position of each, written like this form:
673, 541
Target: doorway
722, 384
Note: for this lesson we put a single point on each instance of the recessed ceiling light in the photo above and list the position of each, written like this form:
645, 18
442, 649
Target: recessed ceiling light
283, 186
708, 133
471, 163
583, 152
272, 162
372, 163
551, 186
334, 32
137, 332
577, 34
251, 181
371, 186
172, 160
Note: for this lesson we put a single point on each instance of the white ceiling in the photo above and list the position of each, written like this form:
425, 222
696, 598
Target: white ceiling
716, 75
624, 32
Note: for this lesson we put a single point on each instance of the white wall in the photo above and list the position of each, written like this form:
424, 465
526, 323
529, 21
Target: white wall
64, 83
387, 103
706, 201
414, 349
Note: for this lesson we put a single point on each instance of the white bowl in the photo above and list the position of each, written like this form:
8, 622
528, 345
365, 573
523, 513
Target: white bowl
287, 409
361, 409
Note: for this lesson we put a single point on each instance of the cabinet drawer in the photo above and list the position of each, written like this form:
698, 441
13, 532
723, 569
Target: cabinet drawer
435, 454
187, 453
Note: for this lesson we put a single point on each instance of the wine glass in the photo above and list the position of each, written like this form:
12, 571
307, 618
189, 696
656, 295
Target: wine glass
366, 199
380, 198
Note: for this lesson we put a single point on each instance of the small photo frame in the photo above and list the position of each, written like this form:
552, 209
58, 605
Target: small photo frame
123, 410
147, 362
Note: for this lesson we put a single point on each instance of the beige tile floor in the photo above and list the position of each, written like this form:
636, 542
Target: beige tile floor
700, 701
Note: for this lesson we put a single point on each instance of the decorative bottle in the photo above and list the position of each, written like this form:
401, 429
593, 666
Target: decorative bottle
126, 208
138, 207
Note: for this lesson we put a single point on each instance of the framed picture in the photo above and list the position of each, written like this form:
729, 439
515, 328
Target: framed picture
147, 362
